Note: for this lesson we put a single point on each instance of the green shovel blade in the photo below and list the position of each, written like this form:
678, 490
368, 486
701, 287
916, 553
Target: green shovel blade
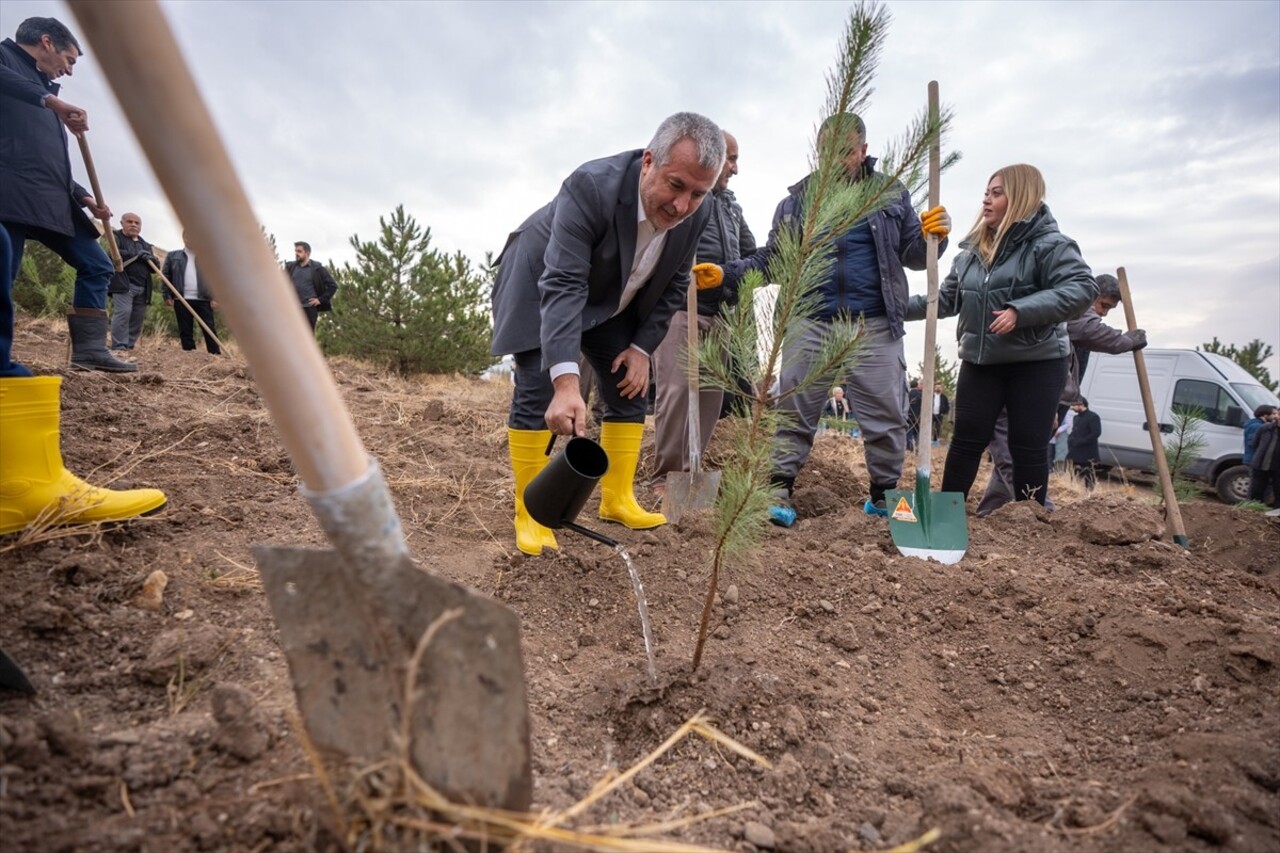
929, 525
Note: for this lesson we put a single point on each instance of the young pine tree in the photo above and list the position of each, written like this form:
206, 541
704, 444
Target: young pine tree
802, 258
408, 306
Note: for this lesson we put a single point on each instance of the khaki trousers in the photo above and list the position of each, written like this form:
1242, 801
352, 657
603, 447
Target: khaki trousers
671, 406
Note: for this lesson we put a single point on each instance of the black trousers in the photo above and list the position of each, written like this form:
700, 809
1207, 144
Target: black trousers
1029, 392
313, 314
600, 346
187, 325
1259, 480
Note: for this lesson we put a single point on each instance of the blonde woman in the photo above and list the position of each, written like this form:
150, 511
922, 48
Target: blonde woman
1016, 282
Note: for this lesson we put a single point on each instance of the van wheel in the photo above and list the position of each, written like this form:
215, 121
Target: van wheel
1233, 484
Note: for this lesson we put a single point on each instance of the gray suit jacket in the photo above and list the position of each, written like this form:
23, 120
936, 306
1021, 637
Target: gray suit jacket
563, 270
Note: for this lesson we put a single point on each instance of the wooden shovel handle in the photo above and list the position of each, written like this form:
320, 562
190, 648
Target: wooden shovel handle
176, 131
112, 248
924, 448
1176, 526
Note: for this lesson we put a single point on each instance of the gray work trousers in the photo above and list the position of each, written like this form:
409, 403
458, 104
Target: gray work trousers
671, 405
875, 385
128, 310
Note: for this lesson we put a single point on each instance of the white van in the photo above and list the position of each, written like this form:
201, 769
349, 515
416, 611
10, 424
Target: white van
1180, 379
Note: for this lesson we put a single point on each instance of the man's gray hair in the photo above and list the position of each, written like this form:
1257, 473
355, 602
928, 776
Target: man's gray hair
705, 133
1108, 285
30, 31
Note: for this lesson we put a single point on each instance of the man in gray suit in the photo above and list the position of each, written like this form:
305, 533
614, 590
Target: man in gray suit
600, 271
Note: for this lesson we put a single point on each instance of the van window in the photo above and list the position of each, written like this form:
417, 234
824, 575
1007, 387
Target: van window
1210, 398
1254, 396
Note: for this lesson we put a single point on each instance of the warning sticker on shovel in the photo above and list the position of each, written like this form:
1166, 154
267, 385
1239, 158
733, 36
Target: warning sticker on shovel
902, 512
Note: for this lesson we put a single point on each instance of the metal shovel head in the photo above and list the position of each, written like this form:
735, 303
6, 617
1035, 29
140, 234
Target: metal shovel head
688, 491
349, 650
929, 525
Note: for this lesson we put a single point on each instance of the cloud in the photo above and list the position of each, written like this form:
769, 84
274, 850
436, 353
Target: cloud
1157, 126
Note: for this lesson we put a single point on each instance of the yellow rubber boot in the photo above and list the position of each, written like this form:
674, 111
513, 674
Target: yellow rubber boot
34, 487
528, 457
621, 442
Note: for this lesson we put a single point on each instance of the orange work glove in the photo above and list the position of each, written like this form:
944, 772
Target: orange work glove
707, 276
936, 222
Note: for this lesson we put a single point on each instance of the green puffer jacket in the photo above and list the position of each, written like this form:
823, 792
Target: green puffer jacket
1038, 271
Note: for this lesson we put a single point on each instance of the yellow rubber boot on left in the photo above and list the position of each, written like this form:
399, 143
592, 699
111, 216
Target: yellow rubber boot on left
621, 442
528, 457
35, 490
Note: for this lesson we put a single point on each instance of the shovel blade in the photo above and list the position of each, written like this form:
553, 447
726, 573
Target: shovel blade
688, 491
929, 525
349, 651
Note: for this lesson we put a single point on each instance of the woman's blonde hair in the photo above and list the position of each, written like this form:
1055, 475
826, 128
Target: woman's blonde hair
1024, 188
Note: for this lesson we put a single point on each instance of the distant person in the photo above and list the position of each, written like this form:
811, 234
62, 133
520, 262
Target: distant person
38, 198
1012, 288
1087, 334
1058, 447
915, 401
725, 238
1082, 442
837, 406
314, 284
1264, 464
130, 289
941, 408
600, 270
1261, 415
182, 270
867, 278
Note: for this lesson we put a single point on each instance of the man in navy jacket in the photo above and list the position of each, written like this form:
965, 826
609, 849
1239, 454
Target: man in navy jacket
39, 200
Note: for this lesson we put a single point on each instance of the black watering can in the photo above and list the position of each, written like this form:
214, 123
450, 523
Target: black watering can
557, 494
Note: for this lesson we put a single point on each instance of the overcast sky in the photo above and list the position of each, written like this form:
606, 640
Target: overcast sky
1156, 125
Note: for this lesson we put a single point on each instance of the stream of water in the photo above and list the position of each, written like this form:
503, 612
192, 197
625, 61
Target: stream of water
643, 606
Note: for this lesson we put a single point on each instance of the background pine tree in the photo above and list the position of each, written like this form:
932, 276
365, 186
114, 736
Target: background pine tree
1252, 357
408, 306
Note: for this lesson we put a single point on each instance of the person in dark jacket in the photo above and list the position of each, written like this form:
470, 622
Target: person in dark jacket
868, 279
130, 288
725, 238
313, 283
183, 272
915, 399
1012, 288
1082, 442
1087, 334
38, 198
1261, 415
1264, 463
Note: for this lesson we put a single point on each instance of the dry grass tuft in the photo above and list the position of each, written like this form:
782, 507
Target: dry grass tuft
241, 578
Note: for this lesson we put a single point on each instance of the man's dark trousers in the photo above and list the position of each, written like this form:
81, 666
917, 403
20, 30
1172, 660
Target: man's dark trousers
187, 325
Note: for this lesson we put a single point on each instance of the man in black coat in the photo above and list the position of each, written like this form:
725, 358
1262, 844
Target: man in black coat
1082, 443
38, 198
915, 400
131, 287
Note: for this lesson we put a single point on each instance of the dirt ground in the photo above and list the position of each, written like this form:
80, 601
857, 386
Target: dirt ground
1076, 683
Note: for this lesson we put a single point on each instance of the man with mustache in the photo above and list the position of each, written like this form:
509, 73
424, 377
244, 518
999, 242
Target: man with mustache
600, 270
